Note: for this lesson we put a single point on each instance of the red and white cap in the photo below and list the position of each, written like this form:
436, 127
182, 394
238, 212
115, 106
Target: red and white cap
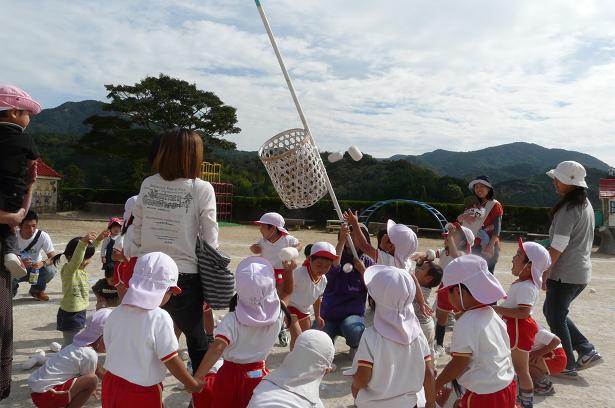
114, 220
467, 233
472, 271
539, 257
12, 97
93, 328
257, 299
275, 219
393, 290
323, 249
154, 274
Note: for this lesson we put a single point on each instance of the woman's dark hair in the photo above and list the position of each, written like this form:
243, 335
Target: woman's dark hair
70, 250
233, 305
490, 194
573, 198
379, 236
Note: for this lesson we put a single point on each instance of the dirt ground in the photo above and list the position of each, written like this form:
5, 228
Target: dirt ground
593, 311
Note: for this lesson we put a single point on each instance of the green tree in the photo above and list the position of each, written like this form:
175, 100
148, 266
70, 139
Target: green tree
145, 109
73, 176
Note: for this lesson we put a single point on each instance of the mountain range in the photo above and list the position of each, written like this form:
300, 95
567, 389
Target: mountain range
516, 169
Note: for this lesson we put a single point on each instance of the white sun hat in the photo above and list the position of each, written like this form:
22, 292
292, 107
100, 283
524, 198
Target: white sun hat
539, 257
569, 172
472, 271
275, 219
404, 240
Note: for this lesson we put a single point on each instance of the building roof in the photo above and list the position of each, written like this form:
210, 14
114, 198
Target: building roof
607, 187
43, 170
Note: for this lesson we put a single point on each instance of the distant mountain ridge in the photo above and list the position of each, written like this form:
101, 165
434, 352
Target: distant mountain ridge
504, 162
67, 119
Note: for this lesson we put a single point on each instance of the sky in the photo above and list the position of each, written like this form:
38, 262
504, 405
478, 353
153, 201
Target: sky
391, 77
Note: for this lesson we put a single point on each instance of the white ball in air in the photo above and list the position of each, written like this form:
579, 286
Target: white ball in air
288, 254
335, 157
430, 254
355, 153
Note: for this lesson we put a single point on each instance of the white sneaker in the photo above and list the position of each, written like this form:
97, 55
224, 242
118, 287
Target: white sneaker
13, 264
438, 351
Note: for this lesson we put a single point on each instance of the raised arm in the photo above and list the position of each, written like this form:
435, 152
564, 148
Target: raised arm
357, 236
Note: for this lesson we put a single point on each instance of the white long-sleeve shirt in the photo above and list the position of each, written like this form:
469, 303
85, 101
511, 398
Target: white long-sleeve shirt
165, 219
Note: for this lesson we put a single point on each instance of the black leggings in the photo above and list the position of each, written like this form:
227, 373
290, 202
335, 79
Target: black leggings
186, 310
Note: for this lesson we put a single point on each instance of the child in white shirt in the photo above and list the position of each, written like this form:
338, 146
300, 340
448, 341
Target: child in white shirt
394, 249
274, 238
295, 384
528, 265
245, 336
305, 285
393, 361
71, 375
546, 358
480, 351
141, 344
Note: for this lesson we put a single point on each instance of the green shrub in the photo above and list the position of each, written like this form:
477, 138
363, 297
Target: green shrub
75, 198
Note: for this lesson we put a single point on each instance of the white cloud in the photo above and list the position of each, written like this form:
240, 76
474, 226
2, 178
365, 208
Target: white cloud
392, 77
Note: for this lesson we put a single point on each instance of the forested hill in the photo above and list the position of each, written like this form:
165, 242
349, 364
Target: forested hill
517, 169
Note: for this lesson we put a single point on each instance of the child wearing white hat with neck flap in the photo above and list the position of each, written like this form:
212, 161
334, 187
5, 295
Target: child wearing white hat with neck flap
141, 343
399, 243
70, 376
528, 265
480, 350
393, 361
245, 336
295, 384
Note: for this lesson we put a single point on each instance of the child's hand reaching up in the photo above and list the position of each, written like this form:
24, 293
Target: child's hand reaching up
89, 237
103, 235
351, 217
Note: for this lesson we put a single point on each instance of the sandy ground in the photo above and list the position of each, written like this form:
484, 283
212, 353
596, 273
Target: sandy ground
35, 324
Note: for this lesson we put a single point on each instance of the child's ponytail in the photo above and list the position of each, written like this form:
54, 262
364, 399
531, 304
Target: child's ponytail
70, 250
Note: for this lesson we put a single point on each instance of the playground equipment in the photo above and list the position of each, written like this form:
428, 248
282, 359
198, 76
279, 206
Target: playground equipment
367, 213
211, 172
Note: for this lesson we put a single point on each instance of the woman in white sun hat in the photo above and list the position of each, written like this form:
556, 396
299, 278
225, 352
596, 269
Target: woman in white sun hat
490, 220
572, 236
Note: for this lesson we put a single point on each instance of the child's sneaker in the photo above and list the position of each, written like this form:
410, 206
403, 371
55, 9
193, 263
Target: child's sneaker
569, 373
544, 388
283, 338
438, 351
13, 264
588, 360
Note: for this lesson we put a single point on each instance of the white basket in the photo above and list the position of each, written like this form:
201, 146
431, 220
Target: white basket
295, 168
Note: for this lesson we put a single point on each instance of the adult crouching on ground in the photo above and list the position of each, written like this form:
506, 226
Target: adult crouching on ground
31, 241
572, 236
491, 220
165, 215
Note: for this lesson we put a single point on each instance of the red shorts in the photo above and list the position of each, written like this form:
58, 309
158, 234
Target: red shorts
300, 315
122, 272
279, 275
56, 397
555, 360
522, 332
505, 398
120, 393
235, 383
442, 301
203, 398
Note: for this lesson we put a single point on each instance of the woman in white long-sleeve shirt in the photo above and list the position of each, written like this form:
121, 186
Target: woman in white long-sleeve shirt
165, 220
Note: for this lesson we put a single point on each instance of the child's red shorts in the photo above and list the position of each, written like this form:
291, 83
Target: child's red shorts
122, 272
555, 360
442, 301
203, 398
279, 275
522, 332
120, 393
300, 315
56, 397
235, 383
505, 398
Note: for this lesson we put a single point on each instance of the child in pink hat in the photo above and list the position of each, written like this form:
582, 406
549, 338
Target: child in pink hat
480, 350
17, 169
141, 344
70, 376
245, 336
528, 265
305, 285
393, 361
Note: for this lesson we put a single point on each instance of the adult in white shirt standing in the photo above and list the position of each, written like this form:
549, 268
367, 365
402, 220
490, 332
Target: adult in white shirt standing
168, 205
31, 241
